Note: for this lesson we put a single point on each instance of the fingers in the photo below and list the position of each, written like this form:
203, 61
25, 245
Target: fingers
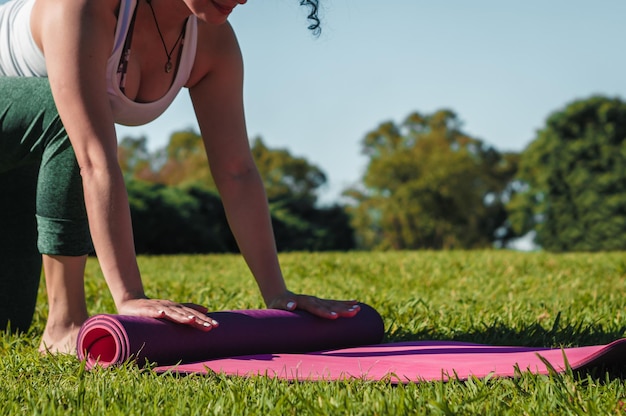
185, 315
195, 315
325, 308
330, 309
188, 314
199, 308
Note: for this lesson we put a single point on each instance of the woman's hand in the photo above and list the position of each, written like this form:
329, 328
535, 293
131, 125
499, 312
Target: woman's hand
325, 308
181, 313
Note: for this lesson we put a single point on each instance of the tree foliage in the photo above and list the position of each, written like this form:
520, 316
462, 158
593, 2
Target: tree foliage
303, 227
286, 176
169, 219
176, 207
429, 185
573, 179
135, 159
184, 161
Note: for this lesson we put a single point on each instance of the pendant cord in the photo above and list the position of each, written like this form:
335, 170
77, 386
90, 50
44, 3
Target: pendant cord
168, 64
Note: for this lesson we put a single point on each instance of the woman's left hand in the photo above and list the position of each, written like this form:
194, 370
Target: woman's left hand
325, 308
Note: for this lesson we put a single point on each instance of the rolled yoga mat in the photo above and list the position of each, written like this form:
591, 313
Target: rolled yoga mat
114, 339
299, 346
412, 362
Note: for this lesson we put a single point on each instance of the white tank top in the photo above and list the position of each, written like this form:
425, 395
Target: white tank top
20, 56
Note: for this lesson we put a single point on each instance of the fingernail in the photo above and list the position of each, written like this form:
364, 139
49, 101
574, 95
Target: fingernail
191, 317
206, 324
160, 311
214, 322
333, 313
291, 305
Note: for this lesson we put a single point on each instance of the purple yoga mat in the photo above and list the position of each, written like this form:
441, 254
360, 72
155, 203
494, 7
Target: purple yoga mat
113, 339
410, 362
299, 346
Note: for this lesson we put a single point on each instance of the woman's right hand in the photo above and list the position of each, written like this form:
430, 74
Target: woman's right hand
181, 313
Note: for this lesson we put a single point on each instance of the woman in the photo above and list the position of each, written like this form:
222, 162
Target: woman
110, 61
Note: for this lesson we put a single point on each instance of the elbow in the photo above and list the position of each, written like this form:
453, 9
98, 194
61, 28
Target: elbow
243, 172
237, 175
93, 170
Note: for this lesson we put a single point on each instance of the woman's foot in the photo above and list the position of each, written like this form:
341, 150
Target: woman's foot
59, 340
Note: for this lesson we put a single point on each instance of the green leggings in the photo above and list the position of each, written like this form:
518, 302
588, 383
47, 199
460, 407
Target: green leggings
42, 207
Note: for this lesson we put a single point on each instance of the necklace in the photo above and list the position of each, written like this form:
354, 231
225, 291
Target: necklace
181, 37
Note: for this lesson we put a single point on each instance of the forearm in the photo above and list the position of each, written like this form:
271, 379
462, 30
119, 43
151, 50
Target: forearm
217, 94
248, 215
110, 224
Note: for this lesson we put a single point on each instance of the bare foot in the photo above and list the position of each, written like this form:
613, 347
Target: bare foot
59, 340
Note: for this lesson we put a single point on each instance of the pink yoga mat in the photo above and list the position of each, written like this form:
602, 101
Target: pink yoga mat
410, 362
299, 346
113, 339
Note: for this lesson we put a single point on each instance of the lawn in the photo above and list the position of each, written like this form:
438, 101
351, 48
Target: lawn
495, 297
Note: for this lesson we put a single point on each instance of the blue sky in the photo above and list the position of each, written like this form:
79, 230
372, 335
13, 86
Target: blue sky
502, 66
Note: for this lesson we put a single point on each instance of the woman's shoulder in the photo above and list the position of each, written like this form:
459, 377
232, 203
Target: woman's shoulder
95, 12
86, 5
216, 38
217, 47
57, 15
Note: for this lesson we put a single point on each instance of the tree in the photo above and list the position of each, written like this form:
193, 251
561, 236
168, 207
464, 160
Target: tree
169, 219
175, 203
286, 176
302, 227
429, 185
292, 184
135, 159
185, 161
572, 179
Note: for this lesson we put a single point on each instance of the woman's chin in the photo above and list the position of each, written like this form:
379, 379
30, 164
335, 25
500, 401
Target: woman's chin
213, 19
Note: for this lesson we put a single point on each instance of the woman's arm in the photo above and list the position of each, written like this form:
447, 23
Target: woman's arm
76, 37
217, 100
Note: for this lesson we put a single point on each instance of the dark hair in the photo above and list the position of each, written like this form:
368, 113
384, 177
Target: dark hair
313, 17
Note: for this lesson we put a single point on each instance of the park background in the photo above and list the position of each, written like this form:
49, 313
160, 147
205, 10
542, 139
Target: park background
502, 67
496, 71
320, 108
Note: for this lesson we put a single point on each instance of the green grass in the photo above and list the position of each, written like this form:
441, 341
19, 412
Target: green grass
495, 297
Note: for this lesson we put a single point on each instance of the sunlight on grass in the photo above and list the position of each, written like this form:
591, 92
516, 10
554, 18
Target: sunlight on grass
496, 297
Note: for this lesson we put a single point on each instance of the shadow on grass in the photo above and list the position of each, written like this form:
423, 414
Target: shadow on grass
529, 335
522, 334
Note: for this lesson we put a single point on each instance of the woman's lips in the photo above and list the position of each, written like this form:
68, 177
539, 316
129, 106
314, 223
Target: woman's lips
225, 10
